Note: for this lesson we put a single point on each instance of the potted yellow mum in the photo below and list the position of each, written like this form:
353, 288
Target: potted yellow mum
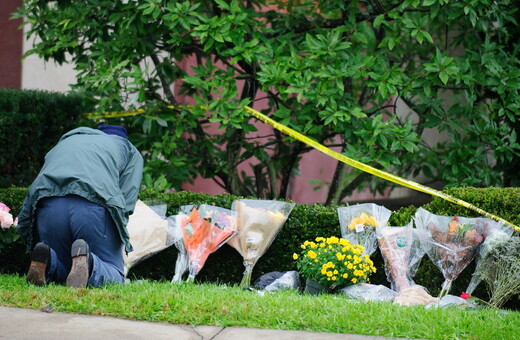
331, 263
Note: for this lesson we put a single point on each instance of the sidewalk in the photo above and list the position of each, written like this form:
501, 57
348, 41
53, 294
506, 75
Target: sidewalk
17, 323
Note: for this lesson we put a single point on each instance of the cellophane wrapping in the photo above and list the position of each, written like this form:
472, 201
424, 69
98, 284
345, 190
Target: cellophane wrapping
149, 233
205, 228
258, 223
402, 254
451, 242
359, 222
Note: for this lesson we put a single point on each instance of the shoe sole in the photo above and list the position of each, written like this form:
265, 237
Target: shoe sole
78, 275
38, 266
36, 273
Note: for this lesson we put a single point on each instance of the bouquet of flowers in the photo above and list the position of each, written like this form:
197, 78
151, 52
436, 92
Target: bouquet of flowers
402, 254
450, 242
497, 235
8, 234
205, 229
149, 233
333, 262
500, 270
258, 223
358, 223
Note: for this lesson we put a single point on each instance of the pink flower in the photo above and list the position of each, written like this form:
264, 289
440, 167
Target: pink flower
465, 295
4, 207
479, 238
6, 219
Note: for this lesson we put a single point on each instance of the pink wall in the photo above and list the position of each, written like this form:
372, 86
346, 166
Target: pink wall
11, 41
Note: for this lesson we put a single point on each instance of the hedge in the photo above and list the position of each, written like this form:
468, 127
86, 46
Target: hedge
31, 122
304, 223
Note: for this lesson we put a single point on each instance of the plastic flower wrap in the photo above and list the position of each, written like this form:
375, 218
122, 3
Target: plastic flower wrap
451, 242
182, 262
401, 253
205, 229
497, 235
149, 233
334, 262
358, 223
258, 223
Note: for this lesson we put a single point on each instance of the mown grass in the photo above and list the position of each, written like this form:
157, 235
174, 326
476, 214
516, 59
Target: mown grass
224, 305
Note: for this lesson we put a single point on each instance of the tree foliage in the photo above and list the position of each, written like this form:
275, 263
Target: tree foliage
369, 77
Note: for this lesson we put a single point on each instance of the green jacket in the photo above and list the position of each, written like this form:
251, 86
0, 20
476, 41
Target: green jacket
104, 169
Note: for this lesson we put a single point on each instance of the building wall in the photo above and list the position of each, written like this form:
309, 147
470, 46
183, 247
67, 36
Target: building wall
11, 40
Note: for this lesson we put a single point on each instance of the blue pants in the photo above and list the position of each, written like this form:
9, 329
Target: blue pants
62, 220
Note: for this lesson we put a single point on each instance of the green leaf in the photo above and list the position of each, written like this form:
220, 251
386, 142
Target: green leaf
378, 20
444, 77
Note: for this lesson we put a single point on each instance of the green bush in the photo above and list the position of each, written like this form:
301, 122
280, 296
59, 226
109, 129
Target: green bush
305, 222
31, 122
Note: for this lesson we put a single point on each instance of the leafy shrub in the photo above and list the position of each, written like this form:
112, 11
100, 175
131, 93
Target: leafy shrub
31, 122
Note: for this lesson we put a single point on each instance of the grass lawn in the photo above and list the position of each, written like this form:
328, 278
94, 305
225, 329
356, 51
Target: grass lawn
224, 305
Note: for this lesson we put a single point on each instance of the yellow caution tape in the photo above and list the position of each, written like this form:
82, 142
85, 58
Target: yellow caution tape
358, 165
115, 114
371, 170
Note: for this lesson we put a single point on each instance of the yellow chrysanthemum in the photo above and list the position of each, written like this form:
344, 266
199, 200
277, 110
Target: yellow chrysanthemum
332, 240
295, 256
311, 254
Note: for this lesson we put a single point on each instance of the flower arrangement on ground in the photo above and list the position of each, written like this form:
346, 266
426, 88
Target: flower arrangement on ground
334, 262
358, 224
258, 223
401, 253
500, 270
451, 242
205, 229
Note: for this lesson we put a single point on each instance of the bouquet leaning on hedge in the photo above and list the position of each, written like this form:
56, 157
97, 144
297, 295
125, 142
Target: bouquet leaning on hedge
358, 224
450, 242
334, 262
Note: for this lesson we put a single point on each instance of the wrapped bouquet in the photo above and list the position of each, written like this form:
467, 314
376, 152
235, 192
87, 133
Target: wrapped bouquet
205, 229
497, 235
451, 242
149, 233
401, 253
258, 223
359, 222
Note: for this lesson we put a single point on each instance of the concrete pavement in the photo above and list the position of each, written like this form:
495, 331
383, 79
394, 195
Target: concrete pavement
18, 323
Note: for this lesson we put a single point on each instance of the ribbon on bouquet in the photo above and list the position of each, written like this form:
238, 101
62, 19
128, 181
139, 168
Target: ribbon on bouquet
371, 170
